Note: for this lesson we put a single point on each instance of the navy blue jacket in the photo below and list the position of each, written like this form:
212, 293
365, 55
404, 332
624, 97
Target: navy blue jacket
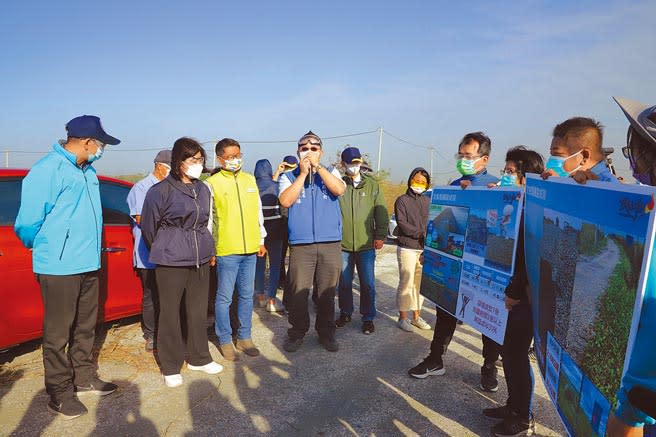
174, 223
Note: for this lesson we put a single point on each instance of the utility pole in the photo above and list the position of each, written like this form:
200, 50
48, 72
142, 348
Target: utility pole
380, 147
6, 158
431, 149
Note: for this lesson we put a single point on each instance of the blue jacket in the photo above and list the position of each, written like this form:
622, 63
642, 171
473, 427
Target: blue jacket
315, 217
478, 180
174, 223
60, 217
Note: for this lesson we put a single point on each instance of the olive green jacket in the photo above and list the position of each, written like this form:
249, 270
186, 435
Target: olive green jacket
364, 214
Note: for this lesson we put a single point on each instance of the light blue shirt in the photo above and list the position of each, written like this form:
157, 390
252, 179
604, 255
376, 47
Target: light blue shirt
135, 201
602, 171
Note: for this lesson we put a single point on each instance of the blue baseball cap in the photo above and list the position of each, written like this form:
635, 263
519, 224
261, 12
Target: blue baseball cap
88, 126
351, 155
290, 161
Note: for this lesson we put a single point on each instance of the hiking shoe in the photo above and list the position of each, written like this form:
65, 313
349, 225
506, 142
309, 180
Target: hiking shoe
68, 408
513, 425
329, 344
247, 347
150, 345
97, 387
405, 325
421, 323
489, 378
173, 381
211, 368
368, 327
292, 345
228, 351
275, 307
531, 354
427, 368
497, 412
343, 320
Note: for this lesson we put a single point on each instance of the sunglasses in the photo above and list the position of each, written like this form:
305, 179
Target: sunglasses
313, 149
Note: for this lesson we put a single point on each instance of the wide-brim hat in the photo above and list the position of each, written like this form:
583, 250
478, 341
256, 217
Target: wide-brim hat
642, 117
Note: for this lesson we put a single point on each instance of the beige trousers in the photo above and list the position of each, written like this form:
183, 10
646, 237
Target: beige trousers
407, 296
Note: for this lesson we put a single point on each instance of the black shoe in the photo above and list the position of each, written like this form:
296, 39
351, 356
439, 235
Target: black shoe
497, 412
329, 344
97, 387
150, 345
68, 408
292, 345
368, 327
343, 320
513, 425
427, 368
489, 378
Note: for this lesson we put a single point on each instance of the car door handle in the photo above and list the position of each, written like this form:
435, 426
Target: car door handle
113, 249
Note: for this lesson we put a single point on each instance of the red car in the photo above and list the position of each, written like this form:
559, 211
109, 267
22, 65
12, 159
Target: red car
21, 308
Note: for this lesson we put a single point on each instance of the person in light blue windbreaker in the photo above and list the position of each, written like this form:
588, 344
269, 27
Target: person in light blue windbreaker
60, 219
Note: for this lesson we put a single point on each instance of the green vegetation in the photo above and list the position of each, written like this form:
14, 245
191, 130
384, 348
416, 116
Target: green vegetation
591, 240
131, 177
603, 358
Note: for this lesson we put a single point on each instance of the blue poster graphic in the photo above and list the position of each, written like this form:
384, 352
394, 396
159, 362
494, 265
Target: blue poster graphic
587, 248
469, 254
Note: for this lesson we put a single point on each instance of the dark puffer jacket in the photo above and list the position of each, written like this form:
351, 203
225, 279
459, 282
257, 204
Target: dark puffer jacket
174, 223
411, 211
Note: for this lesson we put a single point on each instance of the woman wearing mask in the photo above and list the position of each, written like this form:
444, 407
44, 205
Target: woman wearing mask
174, 225
411, 211
516, 415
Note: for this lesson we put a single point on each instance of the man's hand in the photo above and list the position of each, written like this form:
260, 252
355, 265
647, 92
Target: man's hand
262, 251
314, 158
581, 176
545, 175
305, 165
281, 167
492, 185
212, 261
464, 184
509, 302
615, 428
378, 244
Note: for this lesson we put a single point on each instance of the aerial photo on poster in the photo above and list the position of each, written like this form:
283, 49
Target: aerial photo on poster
586, 254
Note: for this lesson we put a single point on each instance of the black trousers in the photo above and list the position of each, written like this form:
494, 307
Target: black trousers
149, 303
174, 284
516, 365
318, 265
70, 304
445, 326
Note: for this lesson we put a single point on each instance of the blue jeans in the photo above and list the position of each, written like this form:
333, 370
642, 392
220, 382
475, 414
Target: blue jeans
234, 270
274, 252
364, 260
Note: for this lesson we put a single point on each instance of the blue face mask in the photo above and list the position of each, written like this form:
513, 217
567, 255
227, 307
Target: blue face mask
557, 163
508, 180
96, 156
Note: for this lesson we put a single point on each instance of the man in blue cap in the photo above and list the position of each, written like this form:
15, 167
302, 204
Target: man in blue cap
60, 219
364, 228
144, 268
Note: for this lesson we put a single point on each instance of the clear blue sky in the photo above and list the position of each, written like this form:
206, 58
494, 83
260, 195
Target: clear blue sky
425, 71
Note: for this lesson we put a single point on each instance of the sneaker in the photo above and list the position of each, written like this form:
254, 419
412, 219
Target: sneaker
368, 327
68, 408
421, 323
531, 354
211, 368
150, 345
275, 307
329, 344
497, 412
228, 351
97, 387
405, 325
513, 425
292, 345
343, 320
489, 378
247, 347
173, 380
427, 368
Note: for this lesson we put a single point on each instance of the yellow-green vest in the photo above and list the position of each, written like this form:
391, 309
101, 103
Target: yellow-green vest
236, 212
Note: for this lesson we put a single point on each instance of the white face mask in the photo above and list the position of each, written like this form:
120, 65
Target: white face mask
194, 171
418, 190
353, 170
232, 164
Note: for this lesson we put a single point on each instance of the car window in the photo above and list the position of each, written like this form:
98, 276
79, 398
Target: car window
114, 205
10, 191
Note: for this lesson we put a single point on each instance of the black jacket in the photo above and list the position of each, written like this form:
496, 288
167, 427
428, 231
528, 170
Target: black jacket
411, 211
174, 223
518, 286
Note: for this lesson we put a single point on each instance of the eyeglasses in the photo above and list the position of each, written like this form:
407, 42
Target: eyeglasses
310, 142
313, 149
230, 158
99, 143
195, 160
508, 171
461, 156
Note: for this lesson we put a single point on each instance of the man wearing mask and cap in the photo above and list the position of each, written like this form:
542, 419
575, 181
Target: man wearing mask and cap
365, 221
143, 267
239, 234
311, 193
636, 397
60, 219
